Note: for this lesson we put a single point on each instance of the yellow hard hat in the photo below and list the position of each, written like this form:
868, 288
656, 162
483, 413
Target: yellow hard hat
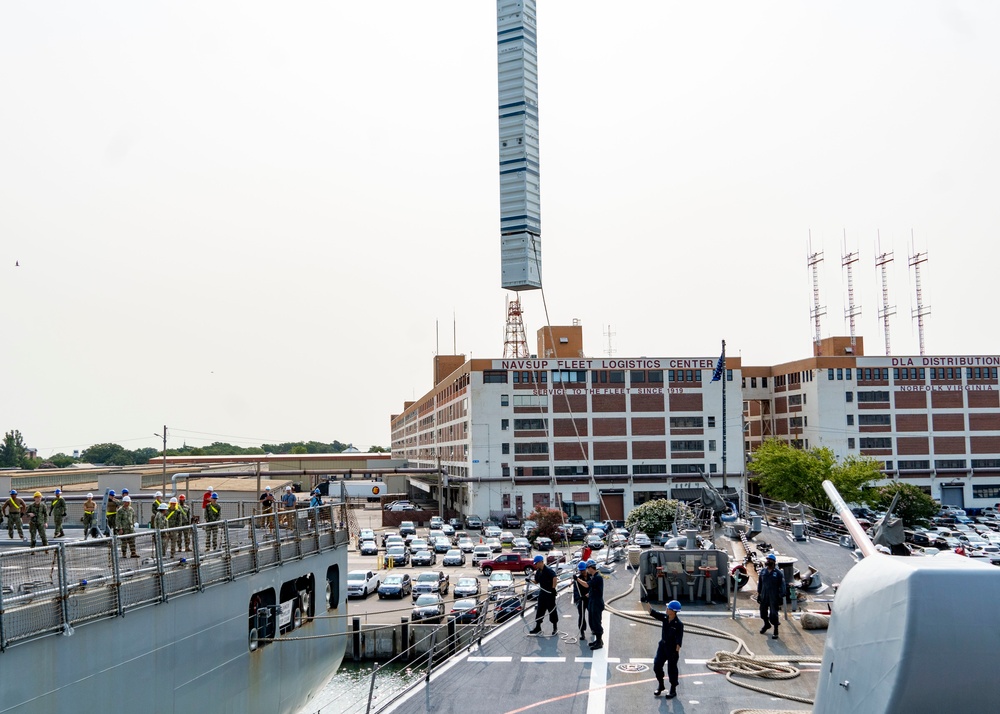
38, 494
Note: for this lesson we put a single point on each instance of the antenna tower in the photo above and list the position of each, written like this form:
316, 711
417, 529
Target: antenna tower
921, 310
847, 261
882, 261
817, 310
515, 344
610, 351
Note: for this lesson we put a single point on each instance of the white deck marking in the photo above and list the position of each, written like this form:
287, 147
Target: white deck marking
641, 660
610, 660
490, 659
695, 661
543, 659
597, 699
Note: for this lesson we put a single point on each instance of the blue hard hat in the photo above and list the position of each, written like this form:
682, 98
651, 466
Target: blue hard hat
538, 559
770, 556
124, 491
591, 563
674, 605
582, 566
111, 492
13, 492
215, 495
58, 491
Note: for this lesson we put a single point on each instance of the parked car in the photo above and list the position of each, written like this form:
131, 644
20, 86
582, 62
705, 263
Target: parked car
510, 521
543, 543
473, 522
407, 528
481, 553
402, 506
595, 542
436, 522
527, 528
466, 545
395, 585
431, 581
427, 606
492, 531
508, 561
507, 538
391, 506
466, 612
424, 557
448, 530
362, 583
642, 540
495, 545
454, 557
575, 519
396, 556
500, 581
442, 544
467, 587
419, 544
365, 534
394, 540
433, 534
455, 523
369, 547
507, 608
386, 535
522, 543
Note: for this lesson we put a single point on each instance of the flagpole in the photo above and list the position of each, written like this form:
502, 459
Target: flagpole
724, 380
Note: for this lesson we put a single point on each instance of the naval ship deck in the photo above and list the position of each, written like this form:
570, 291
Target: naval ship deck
512, 672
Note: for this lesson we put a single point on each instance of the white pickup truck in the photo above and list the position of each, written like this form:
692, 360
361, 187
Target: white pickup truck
362, 583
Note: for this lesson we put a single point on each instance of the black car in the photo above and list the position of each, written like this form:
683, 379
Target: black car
510, 521
473, 522
407, 528
543, 543
395, 585
466, 612
507, 608
427, 607
397, 556
455, 523
424, 557
467, 587
369, 547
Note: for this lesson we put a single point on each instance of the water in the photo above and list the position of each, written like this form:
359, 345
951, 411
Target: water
347, 692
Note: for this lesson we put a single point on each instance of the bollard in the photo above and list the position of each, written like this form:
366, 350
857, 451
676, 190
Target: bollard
451, 635
356, 628
404, 640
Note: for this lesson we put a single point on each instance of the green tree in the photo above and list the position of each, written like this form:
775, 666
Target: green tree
107, 454
914, 505
143, 455
61, 460
299, 449
657, 515
12, 450
785, 473
377, 450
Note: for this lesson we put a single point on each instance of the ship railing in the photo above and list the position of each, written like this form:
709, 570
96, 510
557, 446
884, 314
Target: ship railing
50, 590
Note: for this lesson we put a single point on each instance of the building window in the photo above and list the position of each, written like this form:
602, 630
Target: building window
711, 444
656, 375
874, 420
881, 442
611, 470
985, 490
986, 463
712, 468
504, 424
753, 383
529, 400
505, 400
729, 375
850, 443
711, 421
637, 376
686, 422
850, 420
829, 374
949, 463
848, 371
616, 376
796, 422
918, 465
888, 466
873, 396
495, 376
568, 376
505, 448
570, 471
532, 447
530, 424
505, 471
539, 470
686, 468
795, 400
646, 469
850, 396
688, 445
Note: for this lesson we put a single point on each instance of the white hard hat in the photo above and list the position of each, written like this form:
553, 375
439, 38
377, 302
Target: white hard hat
173, 500
288, 488
127, 499
159, 493
267, 488
90, 495
162, 507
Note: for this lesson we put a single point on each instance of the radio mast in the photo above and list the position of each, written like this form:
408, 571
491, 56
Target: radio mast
882, 261
847, 261
921, 310
817, 310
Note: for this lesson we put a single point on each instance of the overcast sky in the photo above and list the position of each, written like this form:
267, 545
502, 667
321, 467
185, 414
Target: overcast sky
242, 220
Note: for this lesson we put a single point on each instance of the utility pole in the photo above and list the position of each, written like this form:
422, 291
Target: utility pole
163, 456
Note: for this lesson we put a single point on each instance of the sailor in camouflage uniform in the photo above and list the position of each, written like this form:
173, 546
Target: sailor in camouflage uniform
58, 513
173, 521
125, 525
14, 507
38, 515
185, 517
89, 509
213, 514
160, 520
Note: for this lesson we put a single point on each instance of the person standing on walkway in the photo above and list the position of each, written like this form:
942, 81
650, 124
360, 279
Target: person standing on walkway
770, 590
173, 517
545, 578
89, 509
580, 598
671, 638
160, 524
14, 507
595, 604
288, 504
213, 514
58, 514
185, 516
125, 525
38, 516
157, 500
109, 512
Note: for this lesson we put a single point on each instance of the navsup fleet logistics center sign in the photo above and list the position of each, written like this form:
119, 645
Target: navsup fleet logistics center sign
555, 365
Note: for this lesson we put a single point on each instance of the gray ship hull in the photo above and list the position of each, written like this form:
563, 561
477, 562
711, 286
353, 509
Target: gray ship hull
172, 636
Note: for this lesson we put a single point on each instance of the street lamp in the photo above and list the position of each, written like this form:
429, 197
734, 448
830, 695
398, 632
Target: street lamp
164, 456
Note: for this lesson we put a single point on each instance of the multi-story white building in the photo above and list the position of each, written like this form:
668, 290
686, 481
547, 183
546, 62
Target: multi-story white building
932, 421
593, 436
